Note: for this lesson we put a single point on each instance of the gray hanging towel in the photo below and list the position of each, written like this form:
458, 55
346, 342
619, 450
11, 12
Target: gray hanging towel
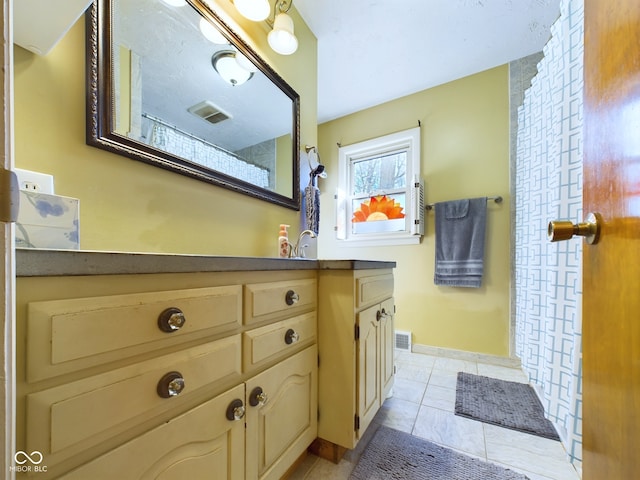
460, 234
312, 206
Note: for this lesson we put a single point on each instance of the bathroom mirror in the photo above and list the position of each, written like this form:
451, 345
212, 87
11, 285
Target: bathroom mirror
175, 87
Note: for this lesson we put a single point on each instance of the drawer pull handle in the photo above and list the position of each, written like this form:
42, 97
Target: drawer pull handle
258, 397
235, 410
291, 336
171, 320
291, 297
170, 385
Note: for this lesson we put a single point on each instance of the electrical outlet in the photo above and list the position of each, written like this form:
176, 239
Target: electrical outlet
34, 181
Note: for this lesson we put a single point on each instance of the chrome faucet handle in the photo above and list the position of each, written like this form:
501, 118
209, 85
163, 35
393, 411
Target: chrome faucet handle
297, 251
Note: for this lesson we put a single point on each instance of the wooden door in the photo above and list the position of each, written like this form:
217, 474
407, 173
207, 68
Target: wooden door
201, 443
611, 293
284, 421
368, 367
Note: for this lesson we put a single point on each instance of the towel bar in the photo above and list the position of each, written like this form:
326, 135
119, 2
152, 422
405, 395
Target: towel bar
497, 199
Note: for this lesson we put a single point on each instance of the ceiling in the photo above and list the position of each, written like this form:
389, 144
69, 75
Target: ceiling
373, 51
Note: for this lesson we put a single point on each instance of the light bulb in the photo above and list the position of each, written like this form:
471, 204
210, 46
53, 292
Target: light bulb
211, 33
225, 64
256, 10
281, 39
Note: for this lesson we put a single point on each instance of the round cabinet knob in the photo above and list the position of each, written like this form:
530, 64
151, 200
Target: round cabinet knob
235, 410
257, 397
171, 320
291, 297
170, 385
291, 336
379, 315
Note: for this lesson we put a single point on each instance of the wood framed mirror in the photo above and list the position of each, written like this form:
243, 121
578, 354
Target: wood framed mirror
155, 94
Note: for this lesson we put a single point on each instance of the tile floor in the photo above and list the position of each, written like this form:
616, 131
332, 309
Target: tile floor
423, 404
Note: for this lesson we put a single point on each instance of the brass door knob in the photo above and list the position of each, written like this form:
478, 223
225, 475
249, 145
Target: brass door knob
559, 230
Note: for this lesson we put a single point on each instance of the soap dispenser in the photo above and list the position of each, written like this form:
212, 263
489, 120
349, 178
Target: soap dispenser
283, 241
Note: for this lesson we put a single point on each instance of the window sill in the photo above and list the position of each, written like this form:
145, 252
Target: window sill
378, 241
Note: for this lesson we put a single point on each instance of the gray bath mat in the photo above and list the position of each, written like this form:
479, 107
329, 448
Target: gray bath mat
396, 455
499, 402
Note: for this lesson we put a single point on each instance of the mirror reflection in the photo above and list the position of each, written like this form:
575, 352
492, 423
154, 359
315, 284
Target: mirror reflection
187, 94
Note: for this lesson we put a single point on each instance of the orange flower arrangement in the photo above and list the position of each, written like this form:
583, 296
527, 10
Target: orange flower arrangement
377, 208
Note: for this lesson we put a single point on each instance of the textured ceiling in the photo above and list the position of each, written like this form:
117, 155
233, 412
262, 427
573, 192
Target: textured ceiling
176, 74
373, 51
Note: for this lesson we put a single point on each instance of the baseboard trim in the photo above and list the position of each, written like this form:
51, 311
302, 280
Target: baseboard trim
512, 362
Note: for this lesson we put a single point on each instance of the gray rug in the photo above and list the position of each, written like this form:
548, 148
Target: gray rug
392, 454
506, 404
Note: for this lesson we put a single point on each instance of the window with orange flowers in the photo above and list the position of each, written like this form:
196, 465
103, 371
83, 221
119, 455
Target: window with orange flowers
380, 194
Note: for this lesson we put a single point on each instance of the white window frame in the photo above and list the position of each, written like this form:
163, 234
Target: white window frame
406, 140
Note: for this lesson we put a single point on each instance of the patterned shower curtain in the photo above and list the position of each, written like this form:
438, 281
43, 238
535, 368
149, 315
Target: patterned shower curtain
549, 186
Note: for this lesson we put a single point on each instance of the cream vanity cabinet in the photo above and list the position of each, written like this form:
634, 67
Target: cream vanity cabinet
173, 376
355, 339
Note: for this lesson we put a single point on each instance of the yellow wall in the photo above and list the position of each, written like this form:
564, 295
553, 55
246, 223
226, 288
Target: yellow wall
465, 153
126, 205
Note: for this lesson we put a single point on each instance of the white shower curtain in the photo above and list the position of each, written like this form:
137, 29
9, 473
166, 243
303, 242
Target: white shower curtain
548, 187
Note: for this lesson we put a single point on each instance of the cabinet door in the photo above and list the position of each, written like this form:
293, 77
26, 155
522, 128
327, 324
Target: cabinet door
368, 378
201, 443
284, 421
386, 347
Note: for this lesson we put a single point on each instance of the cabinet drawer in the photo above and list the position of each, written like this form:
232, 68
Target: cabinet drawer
83, 413
265, 301
268, 343
201, 440
66, 335
373, 289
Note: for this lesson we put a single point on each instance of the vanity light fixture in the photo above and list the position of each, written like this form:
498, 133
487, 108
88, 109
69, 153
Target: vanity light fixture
225, 63
256, 10
281, 38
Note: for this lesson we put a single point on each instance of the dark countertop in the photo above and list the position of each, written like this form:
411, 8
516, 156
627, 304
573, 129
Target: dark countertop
40, 263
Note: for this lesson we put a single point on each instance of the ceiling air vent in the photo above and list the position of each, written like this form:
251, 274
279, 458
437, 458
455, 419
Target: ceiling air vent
209, 112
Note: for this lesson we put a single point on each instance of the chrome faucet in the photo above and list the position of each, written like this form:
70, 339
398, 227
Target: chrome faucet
297, 250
